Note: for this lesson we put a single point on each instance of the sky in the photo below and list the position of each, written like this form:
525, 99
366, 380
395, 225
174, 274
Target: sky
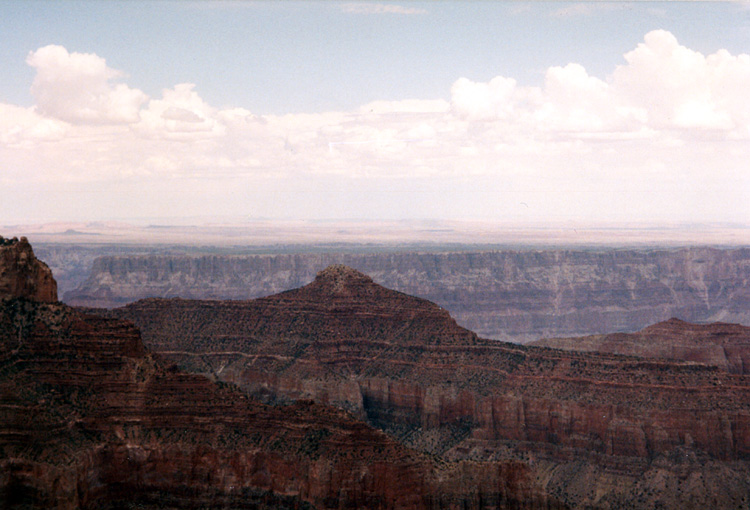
520, 113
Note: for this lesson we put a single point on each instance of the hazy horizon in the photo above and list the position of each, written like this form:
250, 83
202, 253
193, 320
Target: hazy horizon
446, 235
513, 114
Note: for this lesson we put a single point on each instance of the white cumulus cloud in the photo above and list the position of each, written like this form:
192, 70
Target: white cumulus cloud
23, 126
180, 114
79, 88
665, 122
682, 88
478, 101
662, 86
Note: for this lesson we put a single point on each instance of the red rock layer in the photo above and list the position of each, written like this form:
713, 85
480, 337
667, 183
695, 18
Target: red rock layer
726, 346
22, 275
88, 419
406, 366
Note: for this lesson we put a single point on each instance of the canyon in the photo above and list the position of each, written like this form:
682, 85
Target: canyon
343, 393
596, 430
90, 419
515, 295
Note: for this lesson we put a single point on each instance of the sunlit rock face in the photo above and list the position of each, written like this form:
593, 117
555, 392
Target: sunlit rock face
22, 275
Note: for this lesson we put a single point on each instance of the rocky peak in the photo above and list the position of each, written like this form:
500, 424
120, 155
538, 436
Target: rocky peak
6, 241
339, 279
22, 274
682, 331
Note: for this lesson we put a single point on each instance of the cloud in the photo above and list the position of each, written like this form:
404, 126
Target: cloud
406, 106
180, 114
480, 101
24, 127
575, 102
667, 121
681, 88
78, 88
370, 8
663, 86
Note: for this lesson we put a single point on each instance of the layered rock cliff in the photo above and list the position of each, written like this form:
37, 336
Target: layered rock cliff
21, 274
517, 295
719, 344
89, 419
599, 431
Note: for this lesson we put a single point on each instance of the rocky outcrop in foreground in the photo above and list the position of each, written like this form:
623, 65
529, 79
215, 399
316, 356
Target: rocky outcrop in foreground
517, 295
596, 430
21, 274
726, 346
90, 420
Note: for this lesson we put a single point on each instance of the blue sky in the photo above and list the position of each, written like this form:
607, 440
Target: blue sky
457, 110
290, 57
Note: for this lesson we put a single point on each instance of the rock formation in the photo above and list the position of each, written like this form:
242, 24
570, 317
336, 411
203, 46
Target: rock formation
719, 344
90, 420
596, 430
21, 274
518, 295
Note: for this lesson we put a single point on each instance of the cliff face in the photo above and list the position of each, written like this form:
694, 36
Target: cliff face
507, 295
90, 420
21, 274
726, 346
597, 430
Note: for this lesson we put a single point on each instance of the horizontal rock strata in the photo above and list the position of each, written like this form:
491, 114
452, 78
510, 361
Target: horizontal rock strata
90, 420
594, 427
516, 295
726, 346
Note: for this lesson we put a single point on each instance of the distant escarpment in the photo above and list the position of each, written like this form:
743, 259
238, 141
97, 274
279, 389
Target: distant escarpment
90, 420
596, 430
508, 295
22, 275
719, 344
